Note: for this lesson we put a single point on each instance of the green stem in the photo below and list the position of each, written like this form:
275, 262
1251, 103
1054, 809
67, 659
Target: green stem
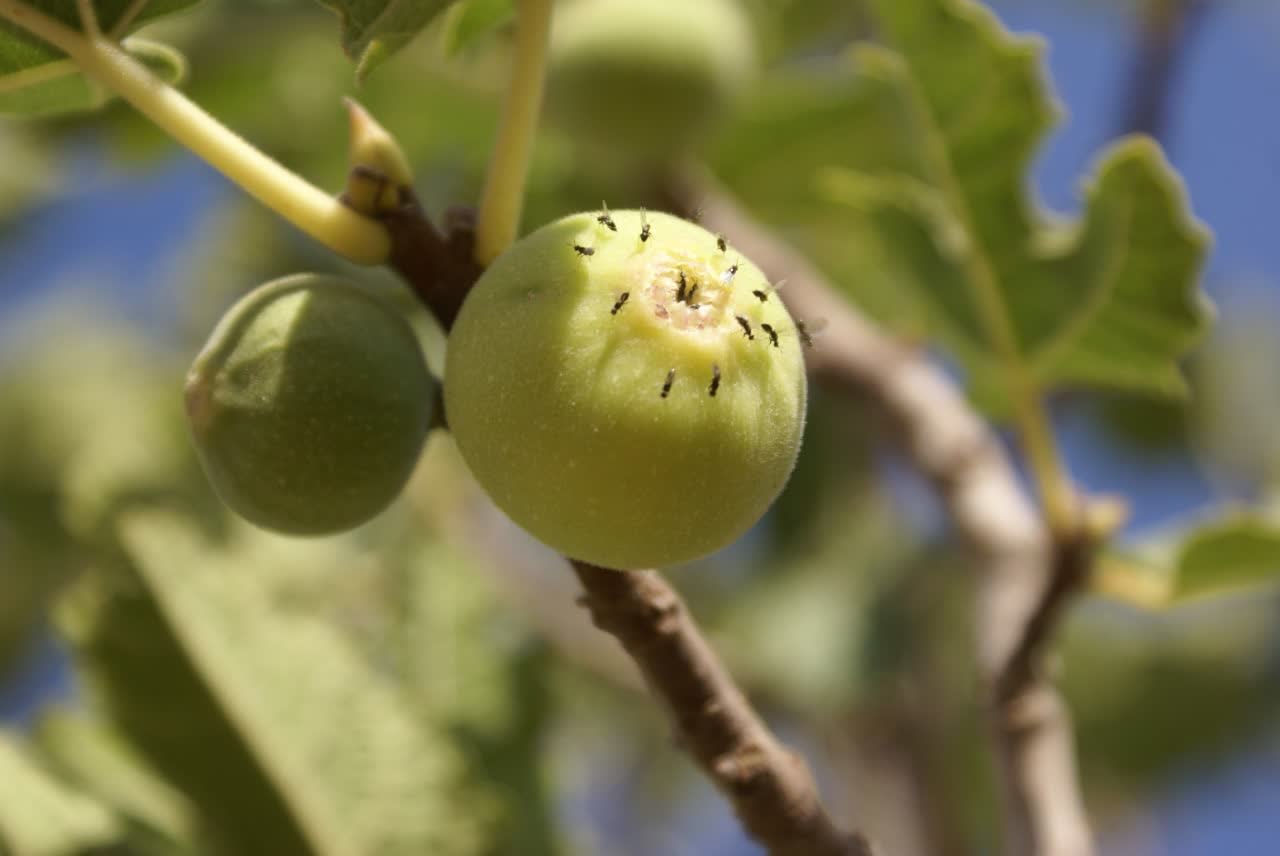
315, 212
503, 198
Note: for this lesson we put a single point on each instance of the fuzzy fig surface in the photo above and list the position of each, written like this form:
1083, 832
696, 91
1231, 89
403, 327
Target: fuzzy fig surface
309, 405
627, 388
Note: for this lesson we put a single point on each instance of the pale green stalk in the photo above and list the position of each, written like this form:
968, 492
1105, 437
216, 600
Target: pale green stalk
501, 204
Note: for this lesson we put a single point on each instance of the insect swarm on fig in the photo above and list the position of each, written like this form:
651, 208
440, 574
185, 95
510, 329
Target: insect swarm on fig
606, 412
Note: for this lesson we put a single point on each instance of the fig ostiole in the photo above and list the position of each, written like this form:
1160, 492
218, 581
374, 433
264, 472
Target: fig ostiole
627, 388
309, 405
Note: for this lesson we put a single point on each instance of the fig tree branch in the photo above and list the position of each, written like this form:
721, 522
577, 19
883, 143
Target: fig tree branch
770, 787
1025, 576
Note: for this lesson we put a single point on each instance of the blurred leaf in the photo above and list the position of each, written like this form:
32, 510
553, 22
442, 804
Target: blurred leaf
471, 21
787, 27
57, 87
93, 419
373, 30
30, 171
793, 123
920, 158
824, 607
41, 816
466, 661
1237, 388
98, 760
1149, 426
466, 665
89, 419
36, 78
1155, 695
282, 736
1238, 551
1234, 553
268, 75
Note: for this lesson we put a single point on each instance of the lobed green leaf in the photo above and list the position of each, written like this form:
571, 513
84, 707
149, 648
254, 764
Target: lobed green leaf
915, 155
38, 79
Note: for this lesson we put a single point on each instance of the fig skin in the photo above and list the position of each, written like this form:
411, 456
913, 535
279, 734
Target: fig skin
646, 79
554, 390
309, 405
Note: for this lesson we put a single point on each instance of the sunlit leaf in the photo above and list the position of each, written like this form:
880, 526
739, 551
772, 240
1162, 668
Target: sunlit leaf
821, 607
373, 30
924, 145
1237, 402
36, 78
41, 816
285, 739
1236, 552
57, 87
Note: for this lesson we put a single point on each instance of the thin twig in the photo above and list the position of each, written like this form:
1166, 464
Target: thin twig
768, 785
1024, 578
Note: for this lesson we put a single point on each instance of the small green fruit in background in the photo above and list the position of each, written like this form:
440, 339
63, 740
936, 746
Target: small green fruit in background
645, 78
309, 405
627, 388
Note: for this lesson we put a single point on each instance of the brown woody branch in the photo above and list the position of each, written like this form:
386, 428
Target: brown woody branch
1025, 578
439, 268
770, 787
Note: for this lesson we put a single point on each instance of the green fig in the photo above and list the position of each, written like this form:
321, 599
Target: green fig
627, 388
309, 405
645, 79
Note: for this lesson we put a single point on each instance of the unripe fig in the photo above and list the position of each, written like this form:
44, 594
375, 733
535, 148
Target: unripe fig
309, 405
645, 78
627, 388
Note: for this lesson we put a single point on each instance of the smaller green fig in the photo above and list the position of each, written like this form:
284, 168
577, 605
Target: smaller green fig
309, 405
644, 79
627, 387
